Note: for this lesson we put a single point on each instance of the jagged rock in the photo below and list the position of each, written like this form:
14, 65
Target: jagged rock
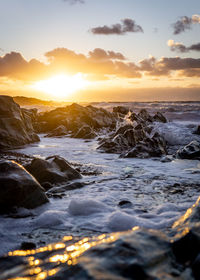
85, 132
197, 131
59, 131
18, 188
16, 127
190, 151
159, 117
75, 116
53, 170
134, 143
121, 110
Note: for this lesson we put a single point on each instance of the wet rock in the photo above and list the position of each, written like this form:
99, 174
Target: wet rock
18, 188
59, 131
166, 159
85, 132
124, 204
53, 170
135, 254
27, 246
159, 117
190, 151
121, 110
197, 131
16, 127
47, 186
123, 129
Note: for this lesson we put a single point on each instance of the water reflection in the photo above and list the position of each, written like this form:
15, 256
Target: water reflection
46, 261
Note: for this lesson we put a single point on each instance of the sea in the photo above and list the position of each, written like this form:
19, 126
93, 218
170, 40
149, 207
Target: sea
118, 193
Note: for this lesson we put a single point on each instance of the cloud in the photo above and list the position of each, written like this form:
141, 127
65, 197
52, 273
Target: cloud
98, 54
166, 65
72, 2
179, 47
15, 66
98, 64
185, 23
127, 25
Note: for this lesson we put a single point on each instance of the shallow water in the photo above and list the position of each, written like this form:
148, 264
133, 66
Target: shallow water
156, 192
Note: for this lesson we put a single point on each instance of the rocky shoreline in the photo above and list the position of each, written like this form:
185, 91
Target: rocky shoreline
28, 181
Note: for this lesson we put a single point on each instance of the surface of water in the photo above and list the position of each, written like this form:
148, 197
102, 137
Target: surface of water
156, 192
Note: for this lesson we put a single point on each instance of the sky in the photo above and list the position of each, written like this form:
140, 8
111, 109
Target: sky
96, 50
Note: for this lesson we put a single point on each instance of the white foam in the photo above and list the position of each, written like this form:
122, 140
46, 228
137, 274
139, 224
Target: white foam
49, 218
85, 207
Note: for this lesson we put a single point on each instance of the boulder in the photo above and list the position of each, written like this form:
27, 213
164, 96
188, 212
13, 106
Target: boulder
18, 188
190, 151
54, 170
75, 116
16, 127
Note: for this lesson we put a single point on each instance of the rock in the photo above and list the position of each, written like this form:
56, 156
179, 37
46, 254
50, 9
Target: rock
159, 117
75, 116
144, 116
27, 246
53, 170
134, 143
135, 254
85, 132
16, 127
190, 151
59, 131
124, 204
197, 131
18, 188
121, 110
166, 159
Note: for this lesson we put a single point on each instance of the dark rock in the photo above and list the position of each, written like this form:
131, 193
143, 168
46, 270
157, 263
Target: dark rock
75, 116
159, 117
190, 151
18, 188
53, 170
187, 248
47, 186
27, 246
197, 131
123, 128
144, 116
16, 127
85, 132
121, 110
59, 131
124, 203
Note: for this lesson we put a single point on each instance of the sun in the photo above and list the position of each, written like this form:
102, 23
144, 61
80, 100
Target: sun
61, 85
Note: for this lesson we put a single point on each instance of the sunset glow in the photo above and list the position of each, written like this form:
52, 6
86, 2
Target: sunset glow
62, 85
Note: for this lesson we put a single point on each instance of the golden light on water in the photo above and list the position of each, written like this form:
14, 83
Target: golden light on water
62, 85
69, 255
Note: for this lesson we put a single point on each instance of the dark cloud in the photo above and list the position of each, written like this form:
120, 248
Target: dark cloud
179, 47
105, 55
15, 66
127, 25
185, 23
166, 65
